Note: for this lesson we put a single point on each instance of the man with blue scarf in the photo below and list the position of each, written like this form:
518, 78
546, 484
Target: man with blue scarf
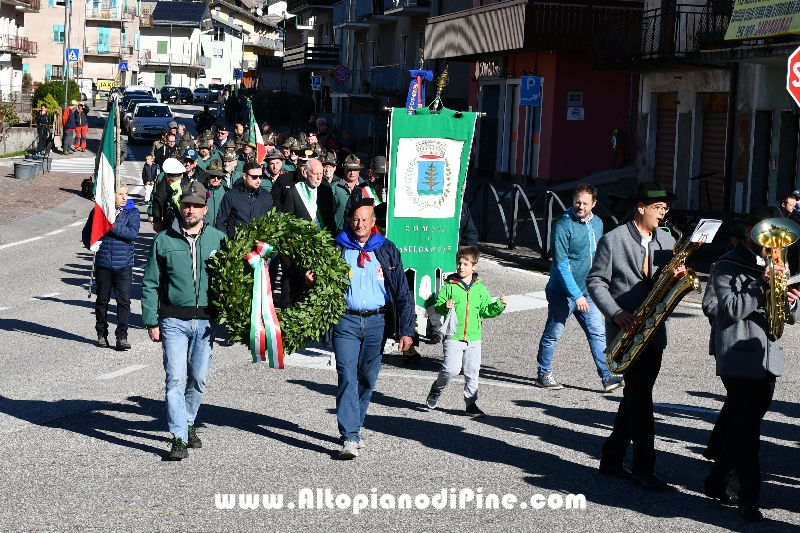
378, 306
574, 243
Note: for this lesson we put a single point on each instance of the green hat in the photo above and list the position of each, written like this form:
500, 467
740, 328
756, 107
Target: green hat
652, 191
288, 143
328, 159
214, 168
378, 165
352, 163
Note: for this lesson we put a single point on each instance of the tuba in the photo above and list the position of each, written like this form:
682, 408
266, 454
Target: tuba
656, 308
776, 234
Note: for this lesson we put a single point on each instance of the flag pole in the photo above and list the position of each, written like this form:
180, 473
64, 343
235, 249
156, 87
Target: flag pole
91, 276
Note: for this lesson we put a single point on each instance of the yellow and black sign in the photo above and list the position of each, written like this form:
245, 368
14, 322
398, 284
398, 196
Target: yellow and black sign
756, 19
104, 85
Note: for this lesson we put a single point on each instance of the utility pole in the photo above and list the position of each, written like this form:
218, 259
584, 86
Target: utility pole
169, 56
65, 63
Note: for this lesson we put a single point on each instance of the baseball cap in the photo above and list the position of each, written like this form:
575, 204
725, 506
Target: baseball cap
173, 124
74, 102
222, 127
190, 153
194, 193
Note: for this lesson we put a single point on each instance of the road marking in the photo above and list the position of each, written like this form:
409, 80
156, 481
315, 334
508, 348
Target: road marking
79, 165
9, 245
56, 231
525, 302
79, 223
122, 371
685, 408
3, 308
144, 511
45, 296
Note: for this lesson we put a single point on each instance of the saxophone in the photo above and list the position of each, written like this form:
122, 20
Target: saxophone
776, 234
656, 308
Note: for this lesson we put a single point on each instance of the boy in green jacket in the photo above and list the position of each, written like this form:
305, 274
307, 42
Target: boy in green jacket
468, 297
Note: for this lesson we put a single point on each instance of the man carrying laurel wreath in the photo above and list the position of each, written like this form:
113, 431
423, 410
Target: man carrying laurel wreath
749, 359
176, 312
379, 305
628, 262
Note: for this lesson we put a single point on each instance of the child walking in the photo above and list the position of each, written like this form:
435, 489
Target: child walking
468, 297
149, 174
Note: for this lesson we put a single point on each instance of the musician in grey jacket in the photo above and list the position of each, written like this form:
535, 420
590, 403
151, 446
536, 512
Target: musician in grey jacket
748, 361
629, 260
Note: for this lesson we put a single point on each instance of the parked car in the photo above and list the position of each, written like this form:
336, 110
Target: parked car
127, 113
148, 121
215, 89
166, 91
202, 94
186, 96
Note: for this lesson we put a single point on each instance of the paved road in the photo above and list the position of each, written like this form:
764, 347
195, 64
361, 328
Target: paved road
84, 429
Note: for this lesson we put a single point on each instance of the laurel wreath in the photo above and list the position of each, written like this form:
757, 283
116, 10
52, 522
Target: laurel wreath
411, 187
319, 308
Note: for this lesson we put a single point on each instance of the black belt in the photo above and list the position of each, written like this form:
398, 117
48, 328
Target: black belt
378, 311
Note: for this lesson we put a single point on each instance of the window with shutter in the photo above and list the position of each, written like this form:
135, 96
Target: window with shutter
48, 70
58, 33
136, 44
161, 48
103, 39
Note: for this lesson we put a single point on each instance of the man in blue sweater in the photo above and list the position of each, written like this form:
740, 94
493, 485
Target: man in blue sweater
574, 243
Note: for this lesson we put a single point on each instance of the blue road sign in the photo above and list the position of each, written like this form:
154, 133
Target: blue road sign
73, 55
316, 83
237, 74
123, 66
530, 92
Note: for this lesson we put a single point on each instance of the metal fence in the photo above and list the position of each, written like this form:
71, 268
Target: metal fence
515, 209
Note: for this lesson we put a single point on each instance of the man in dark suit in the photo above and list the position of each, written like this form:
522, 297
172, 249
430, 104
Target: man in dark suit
308, 201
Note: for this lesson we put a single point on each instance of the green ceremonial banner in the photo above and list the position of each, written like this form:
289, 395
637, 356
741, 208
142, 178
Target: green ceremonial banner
429, 157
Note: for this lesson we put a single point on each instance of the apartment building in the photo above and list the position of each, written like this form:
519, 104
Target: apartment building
16, 48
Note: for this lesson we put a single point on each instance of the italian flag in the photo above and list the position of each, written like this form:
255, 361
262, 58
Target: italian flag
104, 182
255, 133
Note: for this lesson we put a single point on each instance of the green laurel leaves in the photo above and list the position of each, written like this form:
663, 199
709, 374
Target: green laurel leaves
310, 249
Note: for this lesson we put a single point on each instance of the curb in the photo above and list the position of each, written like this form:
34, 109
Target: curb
46, 221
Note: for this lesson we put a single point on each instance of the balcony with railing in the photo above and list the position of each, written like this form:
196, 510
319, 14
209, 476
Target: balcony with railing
26, 6
519, 25
110, 14
149, 59
298, 7
18, 46
389, 80
311, 57
146, 20
108, 50
662, 39
407, 8
260, 41
269, 62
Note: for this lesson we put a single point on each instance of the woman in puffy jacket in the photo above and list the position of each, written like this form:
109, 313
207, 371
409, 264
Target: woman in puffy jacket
114, 268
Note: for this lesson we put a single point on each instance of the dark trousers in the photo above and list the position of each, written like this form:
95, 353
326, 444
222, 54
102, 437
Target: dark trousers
41, 146
747, 402
634, 421
717, 438
121, 281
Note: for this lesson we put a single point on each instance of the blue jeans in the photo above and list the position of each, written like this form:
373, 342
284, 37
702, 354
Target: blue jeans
560, 307
358, 345
187, 359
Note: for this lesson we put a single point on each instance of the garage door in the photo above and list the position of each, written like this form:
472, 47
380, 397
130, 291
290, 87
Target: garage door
666, 121
712, 152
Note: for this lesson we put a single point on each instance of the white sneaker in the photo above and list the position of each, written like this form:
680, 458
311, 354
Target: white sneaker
349, 450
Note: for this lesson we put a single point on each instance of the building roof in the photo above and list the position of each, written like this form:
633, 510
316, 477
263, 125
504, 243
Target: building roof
228, 23
242, 11
189, 14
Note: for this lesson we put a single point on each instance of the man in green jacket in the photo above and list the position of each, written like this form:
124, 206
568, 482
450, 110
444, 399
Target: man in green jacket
217, 188
176, 312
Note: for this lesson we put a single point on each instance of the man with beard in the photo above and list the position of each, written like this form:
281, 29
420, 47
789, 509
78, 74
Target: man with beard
245, 201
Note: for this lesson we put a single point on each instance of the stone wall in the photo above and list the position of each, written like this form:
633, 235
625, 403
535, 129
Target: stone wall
18, 139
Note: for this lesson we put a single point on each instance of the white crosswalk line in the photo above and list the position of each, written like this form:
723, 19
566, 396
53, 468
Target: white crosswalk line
81, 165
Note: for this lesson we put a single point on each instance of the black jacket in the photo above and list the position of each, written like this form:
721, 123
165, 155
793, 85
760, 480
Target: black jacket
294, 206
280, 188
149, 173
241, 205
42, 121
163, 153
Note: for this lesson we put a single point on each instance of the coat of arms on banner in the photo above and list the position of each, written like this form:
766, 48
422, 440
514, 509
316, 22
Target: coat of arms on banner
427, 175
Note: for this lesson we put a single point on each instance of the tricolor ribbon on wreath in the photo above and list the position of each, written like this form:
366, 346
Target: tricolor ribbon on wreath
266, 344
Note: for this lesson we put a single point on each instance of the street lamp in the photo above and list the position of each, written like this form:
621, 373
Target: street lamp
67, 30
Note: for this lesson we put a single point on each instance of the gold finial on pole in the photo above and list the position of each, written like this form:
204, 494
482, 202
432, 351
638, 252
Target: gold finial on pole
442, 80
